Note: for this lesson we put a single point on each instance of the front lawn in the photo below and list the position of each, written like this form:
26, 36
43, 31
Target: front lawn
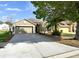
4, 35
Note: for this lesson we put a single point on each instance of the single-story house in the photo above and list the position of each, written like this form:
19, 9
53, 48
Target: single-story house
67, 26
64, 26
25, 26
4, 26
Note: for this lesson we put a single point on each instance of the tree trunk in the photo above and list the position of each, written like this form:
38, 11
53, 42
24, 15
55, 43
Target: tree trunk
55, 28
77, 31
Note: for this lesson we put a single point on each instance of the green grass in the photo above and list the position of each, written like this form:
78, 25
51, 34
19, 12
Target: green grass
4, 35
68, 34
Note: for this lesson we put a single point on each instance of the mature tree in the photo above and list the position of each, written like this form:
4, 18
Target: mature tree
9, 23
49, 13
8, 20
72, 14
54, 12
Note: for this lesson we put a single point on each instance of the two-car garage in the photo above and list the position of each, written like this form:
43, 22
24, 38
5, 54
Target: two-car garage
24, 26
24, 29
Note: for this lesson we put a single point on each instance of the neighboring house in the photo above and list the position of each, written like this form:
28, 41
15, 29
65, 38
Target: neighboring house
4, 26
26, 26
64, 26
67, 26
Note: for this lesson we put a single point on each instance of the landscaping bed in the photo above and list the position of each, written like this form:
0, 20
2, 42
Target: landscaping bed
71, 42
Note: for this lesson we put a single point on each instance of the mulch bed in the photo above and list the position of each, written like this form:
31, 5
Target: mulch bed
71, 42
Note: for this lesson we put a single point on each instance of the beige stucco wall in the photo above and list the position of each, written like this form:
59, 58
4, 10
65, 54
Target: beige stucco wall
64, 30
25, 23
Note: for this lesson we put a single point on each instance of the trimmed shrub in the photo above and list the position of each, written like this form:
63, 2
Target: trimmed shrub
57, 33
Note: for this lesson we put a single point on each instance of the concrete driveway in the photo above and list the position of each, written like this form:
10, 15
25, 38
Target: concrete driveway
34, 46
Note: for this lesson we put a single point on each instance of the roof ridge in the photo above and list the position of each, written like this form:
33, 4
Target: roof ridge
30, 21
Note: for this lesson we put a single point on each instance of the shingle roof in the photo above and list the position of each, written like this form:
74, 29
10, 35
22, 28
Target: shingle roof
64, 24
35, 22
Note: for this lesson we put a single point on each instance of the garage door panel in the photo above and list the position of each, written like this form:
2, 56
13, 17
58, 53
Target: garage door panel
28, 29
24, 29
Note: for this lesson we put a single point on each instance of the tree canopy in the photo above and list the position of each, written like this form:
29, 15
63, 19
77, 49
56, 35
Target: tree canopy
55, 11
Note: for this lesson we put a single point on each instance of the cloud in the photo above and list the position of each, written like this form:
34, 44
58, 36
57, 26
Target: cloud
13, 9
6, 18
2, 5
9, 17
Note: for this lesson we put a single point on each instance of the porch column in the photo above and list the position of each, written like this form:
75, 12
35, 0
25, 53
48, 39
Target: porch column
34, 30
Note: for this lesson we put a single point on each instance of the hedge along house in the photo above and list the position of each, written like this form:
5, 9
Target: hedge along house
26, 26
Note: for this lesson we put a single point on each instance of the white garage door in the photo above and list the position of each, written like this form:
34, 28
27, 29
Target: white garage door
24, 29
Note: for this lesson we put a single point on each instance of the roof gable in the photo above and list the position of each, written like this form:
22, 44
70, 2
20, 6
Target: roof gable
23, 23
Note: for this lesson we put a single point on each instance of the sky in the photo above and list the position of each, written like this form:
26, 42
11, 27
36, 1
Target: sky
16, 10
